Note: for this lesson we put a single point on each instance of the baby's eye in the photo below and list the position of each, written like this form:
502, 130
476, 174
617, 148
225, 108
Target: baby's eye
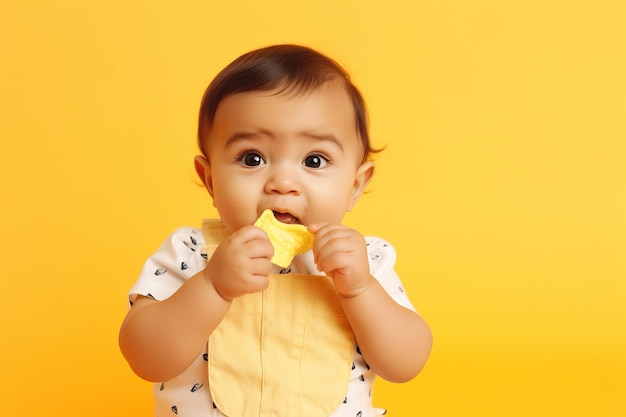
251, 159
315, 161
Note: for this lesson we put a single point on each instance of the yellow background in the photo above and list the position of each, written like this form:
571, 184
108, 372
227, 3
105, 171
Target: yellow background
502, 186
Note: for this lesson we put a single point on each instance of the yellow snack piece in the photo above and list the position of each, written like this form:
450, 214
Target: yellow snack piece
288, 240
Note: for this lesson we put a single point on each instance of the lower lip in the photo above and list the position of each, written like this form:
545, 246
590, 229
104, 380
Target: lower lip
286, 218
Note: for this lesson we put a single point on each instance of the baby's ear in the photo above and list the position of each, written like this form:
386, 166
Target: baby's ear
363, 176
203, 169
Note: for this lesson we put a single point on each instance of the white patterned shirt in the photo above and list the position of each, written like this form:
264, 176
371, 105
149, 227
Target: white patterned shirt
181, 256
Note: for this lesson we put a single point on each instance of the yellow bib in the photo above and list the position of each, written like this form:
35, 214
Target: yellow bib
286, 351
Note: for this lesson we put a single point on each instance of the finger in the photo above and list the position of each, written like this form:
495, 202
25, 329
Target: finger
248, 233
324, 231
332, 238
330, 259
258, 283
259, 248
254, 241
260, 267
315, 227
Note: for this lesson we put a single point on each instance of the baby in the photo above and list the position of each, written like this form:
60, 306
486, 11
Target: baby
223, 331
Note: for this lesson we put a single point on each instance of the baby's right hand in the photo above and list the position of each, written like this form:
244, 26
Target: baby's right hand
241, 263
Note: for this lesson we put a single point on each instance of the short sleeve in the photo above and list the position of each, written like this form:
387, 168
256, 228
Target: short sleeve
179, 258
382, 259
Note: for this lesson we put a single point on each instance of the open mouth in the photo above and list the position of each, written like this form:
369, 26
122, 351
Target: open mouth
287, 218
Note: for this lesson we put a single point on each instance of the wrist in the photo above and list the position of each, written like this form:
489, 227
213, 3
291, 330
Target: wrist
207, 275
358, 290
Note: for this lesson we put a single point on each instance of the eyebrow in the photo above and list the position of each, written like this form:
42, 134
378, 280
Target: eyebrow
322, 137
237, 136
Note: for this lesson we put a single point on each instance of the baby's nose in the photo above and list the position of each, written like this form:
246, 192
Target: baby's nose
282, 181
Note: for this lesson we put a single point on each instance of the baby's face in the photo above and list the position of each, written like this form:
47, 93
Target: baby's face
298, 156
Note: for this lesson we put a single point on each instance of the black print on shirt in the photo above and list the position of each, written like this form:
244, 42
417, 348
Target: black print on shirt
191, 245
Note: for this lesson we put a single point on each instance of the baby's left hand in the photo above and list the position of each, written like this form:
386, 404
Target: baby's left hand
341, 253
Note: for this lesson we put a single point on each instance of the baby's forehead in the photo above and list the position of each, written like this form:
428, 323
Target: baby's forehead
318, 110
296, 90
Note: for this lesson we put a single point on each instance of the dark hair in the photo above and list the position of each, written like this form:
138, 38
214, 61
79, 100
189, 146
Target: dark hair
288, 68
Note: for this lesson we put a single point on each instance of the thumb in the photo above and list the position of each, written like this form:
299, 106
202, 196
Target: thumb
315, 227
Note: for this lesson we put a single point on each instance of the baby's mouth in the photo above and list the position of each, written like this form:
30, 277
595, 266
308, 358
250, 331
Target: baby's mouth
286, 218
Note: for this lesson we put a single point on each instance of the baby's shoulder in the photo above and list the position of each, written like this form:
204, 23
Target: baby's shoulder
184, 238
187, 232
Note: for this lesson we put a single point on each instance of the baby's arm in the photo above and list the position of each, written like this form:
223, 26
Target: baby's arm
394, 340
160, 339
